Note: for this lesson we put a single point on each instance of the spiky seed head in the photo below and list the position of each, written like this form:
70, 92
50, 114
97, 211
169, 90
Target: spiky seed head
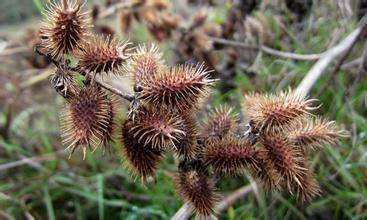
159, 4
179, 88
199, 18
309, 187
65, 28
219, 123
63, 81
107, 134
141, 160
187, 147
103, 55
125, 20
85, 119
265, 171
170, 21
287, 159
158, 129
160, 25
196, 188
314, 133
229, 156
270, 113
146, 61
159, 31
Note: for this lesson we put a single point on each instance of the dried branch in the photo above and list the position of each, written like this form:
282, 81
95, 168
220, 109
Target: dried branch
114, 8
352, 64
45, 74
268, 50
184, 212
11, 51
318, 69
234, 196
126, 96
30, 160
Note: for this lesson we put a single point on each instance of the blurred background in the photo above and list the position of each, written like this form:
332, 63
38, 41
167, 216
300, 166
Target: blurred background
38, 182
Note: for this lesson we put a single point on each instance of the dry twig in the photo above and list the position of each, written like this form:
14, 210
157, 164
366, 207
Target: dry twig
113, 9
112, 89
11, 51
318, 69
268, 50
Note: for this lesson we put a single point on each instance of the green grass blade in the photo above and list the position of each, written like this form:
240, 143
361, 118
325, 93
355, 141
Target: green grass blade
49, 206
38, 5
100, 196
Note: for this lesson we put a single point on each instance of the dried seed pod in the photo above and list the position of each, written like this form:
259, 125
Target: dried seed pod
265, 171
229, 156
287, 159
103, 55
159, 32
178, 88
309, 188
194, 186
162, 25
104, 30
107, 134
187, 147
159, 4
63, 81
125, 20
199, 18
219, 123
170, 21
85, 119
141, 160
158, 129
314, 133
213, 30
269, 113
65, 29
145, 62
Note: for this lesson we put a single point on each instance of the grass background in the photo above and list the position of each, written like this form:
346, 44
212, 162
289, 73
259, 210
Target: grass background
51, 187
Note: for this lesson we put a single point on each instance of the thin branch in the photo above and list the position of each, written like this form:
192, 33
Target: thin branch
352, 64
268, 50
106, 86
30, 160
347, 52
11, 51
184, 212
40, 77
234, 196
126, 96
113, 9
331, 78
318, 69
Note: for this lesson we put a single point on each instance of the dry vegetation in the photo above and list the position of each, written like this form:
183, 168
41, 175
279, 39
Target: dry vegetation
196, 105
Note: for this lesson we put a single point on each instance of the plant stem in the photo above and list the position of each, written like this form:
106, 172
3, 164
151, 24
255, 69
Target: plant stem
126, 96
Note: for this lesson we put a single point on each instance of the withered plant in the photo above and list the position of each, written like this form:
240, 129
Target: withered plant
272, 142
